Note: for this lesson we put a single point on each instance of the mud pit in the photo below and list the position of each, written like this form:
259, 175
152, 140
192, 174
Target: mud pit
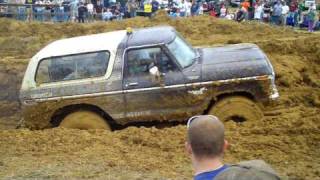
288, 137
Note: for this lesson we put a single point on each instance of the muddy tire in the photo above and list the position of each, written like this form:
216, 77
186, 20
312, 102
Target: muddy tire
84, 120
236, 108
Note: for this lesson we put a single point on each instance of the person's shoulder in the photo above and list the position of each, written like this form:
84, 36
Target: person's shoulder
249, 170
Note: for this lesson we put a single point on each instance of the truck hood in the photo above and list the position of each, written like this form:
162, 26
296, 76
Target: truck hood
234, 61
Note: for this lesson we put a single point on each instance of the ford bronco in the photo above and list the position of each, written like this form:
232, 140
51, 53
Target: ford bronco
148, 74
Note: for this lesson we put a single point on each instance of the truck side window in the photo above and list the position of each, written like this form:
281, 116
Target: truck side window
72, 67
139, 61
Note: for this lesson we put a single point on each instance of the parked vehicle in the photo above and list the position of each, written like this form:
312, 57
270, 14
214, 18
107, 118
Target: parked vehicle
150, 74
308, 3
235, 3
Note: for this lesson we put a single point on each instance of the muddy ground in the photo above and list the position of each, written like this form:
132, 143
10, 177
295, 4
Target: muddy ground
288, 137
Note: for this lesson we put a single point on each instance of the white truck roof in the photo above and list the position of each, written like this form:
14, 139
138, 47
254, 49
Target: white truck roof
97, 42
82, 44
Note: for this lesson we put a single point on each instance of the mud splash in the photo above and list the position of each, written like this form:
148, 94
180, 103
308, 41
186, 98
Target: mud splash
288, 137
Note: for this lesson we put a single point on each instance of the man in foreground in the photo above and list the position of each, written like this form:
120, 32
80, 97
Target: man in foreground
206, 145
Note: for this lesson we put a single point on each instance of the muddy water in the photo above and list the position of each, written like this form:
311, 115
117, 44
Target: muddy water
288, 137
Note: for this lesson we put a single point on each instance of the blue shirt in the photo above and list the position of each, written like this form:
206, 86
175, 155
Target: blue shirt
277, 10
155, 6
194, 8
210, 175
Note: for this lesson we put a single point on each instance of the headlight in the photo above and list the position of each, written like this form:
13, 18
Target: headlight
274, 94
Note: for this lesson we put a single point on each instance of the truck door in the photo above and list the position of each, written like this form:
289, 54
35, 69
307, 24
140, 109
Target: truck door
146, 97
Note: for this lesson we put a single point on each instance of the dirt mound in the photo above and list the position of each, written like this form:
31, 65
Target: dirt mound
288, 137
19, 39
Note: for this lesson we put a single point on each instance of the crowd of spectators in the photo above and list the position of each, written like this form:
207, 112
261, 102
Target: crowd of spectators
276, 12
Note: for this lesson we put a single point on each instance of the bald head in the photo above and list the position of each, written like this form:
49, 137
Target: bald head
206, 136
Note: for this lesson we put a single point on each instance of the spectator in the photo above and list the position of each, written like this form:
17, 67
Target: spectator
132, 8
213, 13
245, 5
300, 10
276, 13
223, 11
258, 11
206, 146
117, 12
21, 11
82, 11
217, 7
241, 14
147, 9
173, 12
98, 10
74, 10
47, 11
141, 4
183, 8
66, 11
251, 9
55, 10
200, 9
285, 12
39, 10
311, 18
107, 15
29, 9
59, 12
122, 10
293, 14
266, 12
90, 8
188, 11
155, 6
194, 8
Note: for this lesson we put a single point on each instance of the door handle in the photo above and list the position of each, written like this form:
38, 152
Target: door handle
132, 84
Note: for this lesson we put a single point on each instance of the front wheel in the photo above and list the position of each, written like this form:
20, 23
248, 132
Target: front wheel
84, 120
236, 108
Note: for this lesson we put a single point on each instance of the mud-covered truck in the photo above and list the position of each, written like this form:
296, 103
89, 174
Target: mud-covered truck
148, 74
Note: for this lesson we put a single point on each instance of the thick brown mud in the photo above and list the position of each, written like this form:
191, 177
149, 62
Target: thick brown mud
288, 137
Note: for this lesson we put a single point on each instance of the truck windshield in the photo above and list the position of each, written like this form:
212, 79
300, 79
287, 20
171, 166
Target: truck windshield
182, 51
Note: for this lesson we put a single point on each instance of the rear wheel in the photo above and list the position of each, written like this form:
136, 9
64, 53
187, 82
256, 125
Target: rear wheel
84, 120
236, 108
